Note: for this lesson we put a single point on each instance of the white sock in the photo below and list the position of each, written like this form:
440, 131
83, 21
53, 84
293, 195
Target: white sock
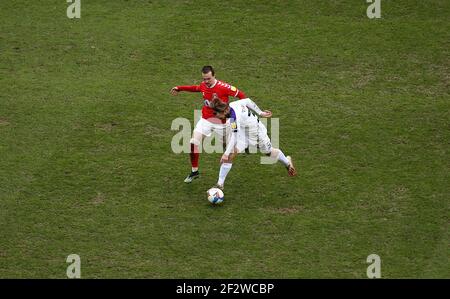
224, 169
279, 155
194, 169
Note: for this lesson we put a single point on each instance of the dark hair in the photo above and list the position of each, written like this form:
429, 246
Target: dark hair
207, 68
218, 106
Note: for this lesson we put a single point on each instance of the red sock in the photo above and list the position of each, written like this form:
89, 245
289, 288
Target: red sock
194, 155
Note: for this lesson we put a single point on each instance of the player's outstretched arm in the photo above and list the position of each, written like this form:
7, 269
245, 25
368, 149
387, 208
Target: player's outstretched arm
252, 105
192, 88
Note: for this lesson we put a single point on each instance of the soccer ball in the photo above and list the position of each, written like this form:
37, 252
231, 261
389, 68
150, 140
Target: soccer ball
215, 195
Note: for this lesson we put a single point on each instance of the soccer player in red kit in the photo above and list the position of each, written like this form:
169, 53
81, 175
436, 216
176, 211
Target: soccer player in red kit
210, 88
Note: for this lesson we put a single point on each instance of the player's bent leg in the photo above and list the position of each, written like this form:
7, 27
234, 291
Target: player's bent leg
202, 128
277, 154
196, 141
266, 147
194, 156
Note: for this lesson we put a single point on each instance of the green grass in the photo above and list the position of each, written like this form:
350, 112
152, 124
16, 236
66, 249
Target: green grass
86, 165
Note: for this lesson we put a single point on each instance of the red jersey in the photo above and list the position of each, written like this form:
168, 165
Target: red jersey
221, 89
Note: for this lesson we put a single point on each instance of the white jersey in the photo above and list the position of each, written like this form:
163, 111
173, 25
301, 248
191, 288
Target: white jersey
242, 116
246, 129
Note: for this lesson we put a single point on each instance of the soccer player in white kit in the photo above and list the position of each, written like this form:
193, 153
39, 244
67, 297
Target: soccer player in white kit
246, 130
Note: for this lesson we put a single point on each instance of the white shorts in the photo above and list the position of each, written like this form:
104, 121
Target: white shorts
254, 137
206, 127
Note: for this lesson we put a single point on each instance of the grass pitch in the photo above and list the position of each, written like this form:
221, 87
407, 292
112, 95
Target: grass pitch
86, 165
